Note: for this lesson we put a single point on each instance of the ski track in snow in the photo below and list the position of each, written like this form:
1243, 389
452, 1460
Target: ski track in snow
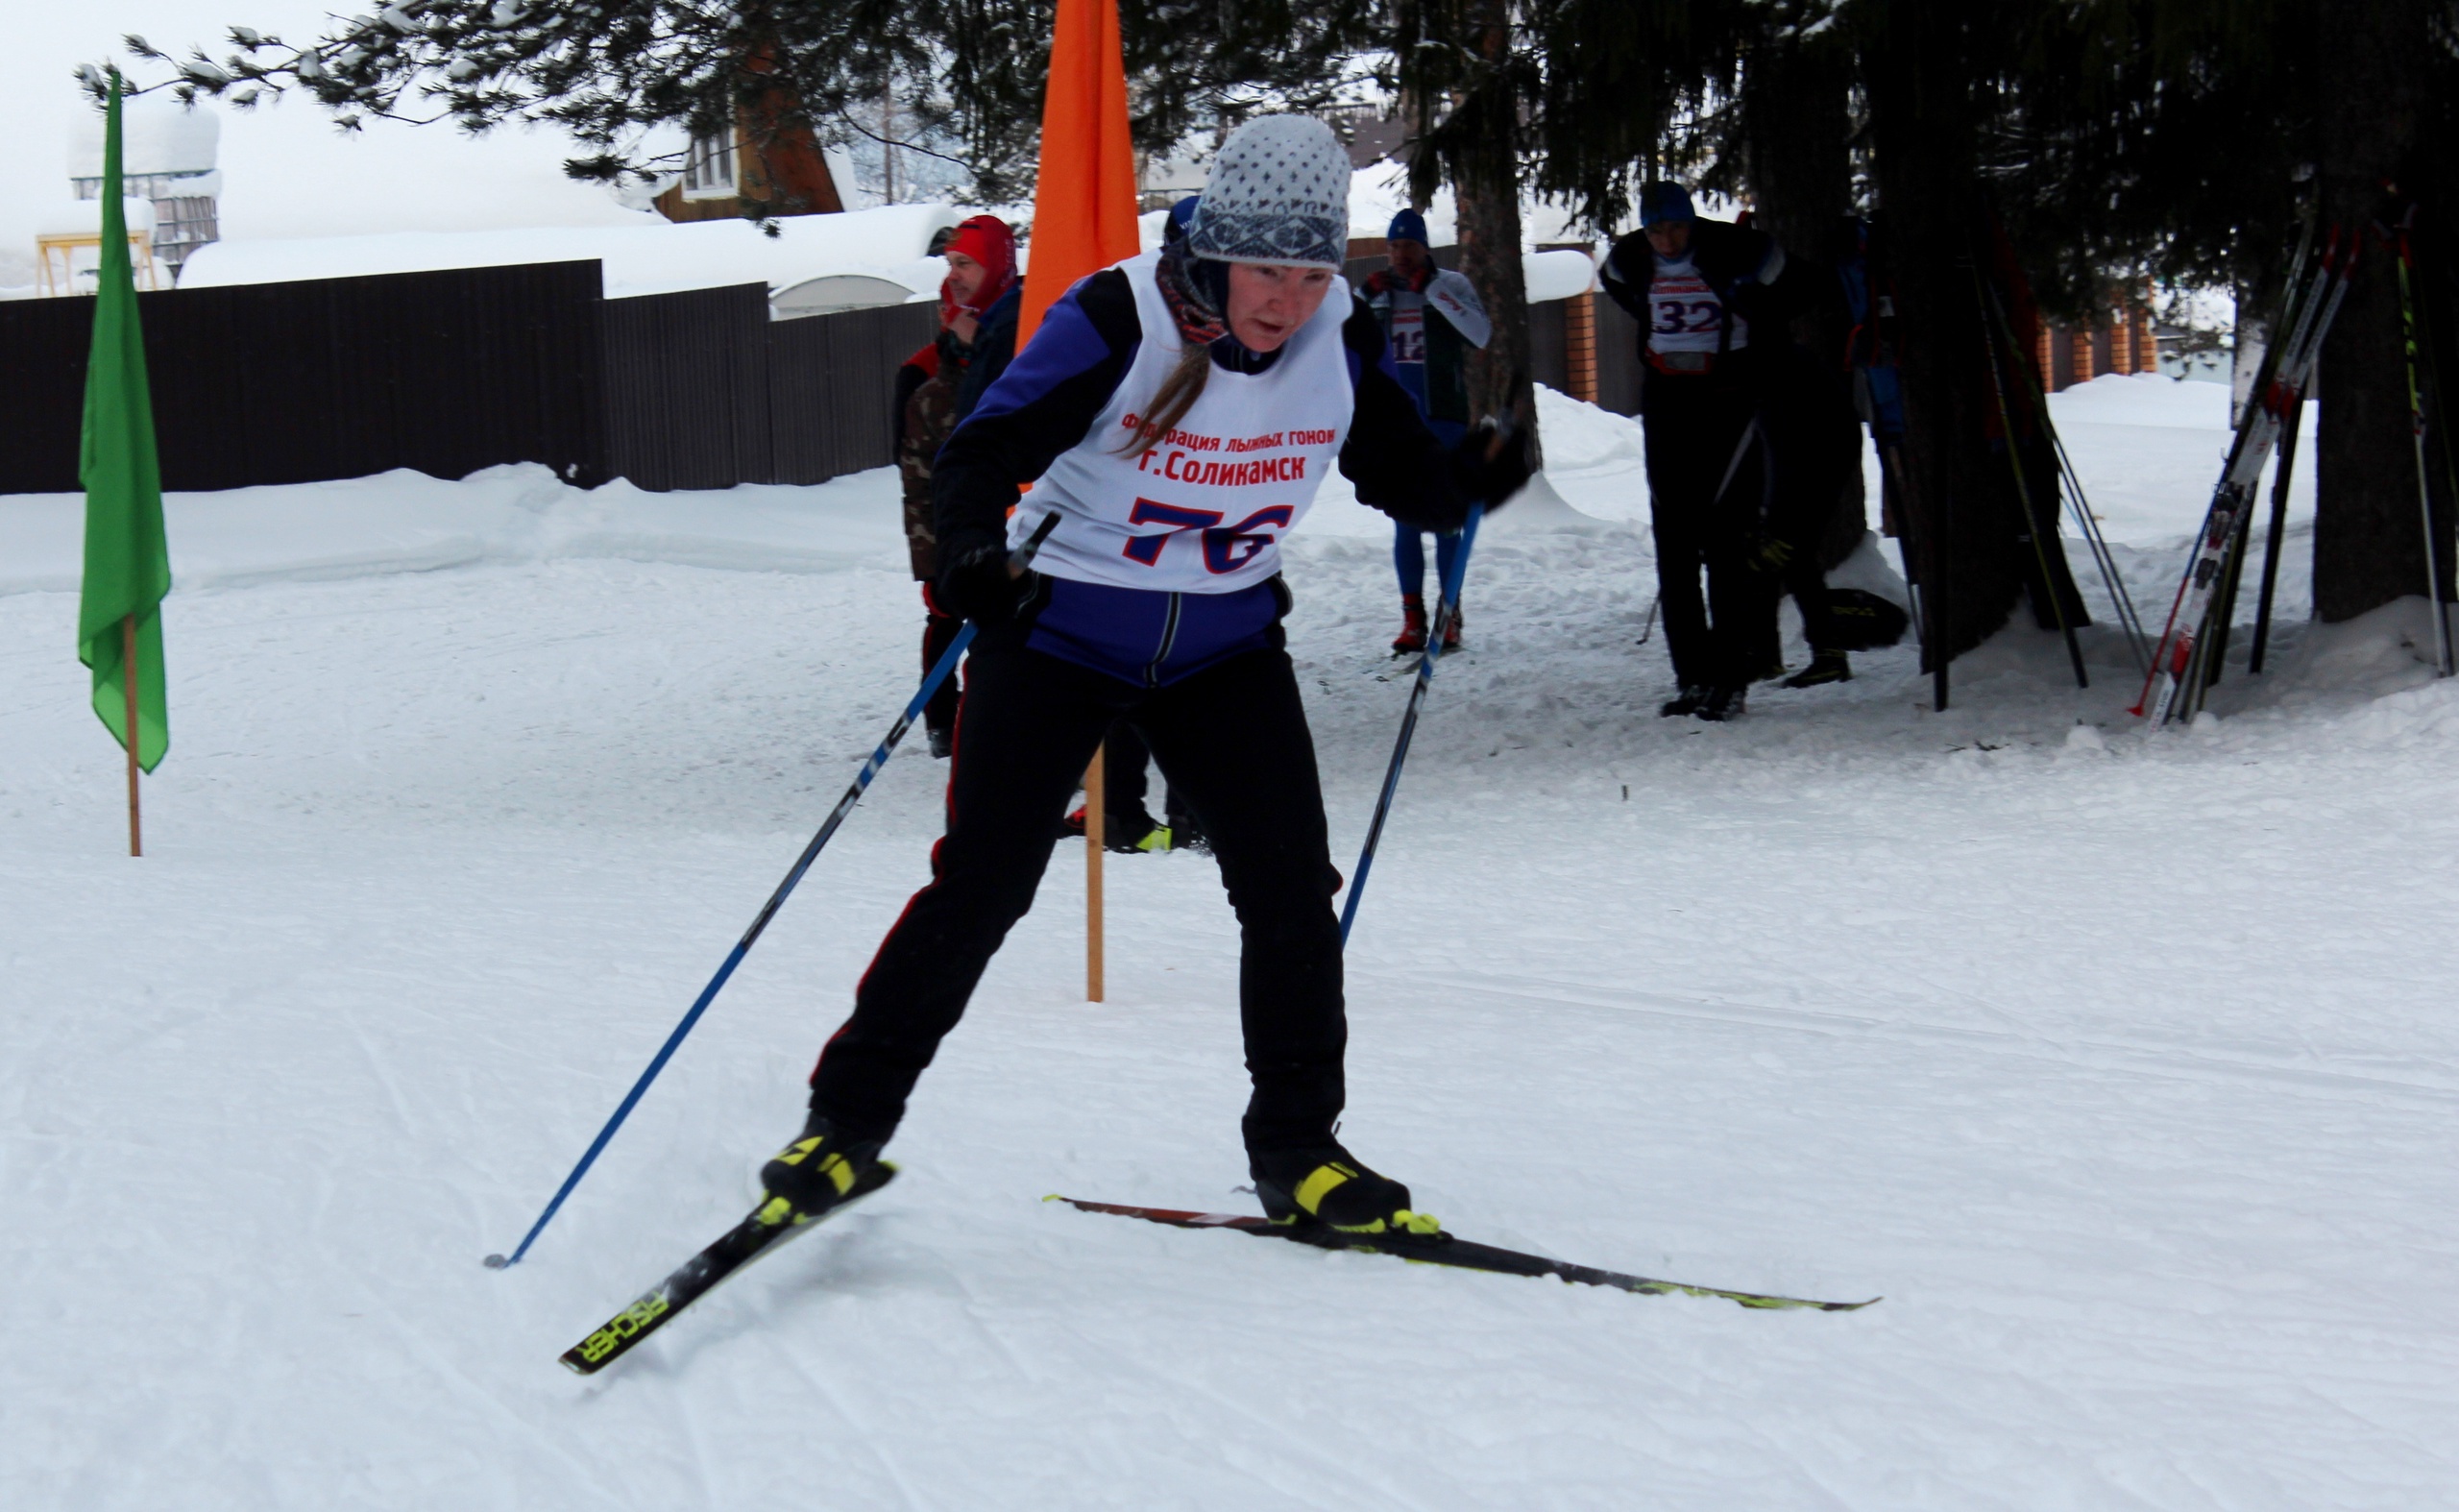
2122, 1064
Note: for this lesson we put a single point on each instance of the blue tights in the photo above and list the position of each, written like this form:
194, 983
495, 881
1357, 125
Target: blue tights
1408, 554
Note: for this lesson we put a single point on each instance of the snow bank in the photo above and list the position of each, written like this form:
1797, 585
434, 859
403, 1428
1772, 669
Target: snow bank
406, 522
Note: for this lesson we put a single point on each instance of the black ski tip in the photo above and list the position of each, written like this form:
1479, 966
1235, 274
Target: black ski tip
496, 1263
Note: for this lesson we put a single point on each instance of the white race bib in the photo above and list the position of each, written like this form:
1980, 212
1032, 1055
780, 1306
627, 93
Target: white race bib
1685, 314
1203, 509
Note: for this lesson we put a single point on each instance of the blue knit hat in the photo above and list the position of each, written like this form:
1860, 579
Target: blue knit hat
1408, 226
1664, 201
1173, 231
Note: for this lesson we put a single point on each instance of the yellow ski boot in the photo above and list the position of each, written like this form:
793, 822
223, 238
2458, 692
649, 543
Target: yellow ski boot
1324, 1184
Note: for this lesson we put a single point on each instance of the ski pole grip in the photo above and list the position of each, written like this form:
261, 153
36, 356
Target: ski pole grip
1022, 556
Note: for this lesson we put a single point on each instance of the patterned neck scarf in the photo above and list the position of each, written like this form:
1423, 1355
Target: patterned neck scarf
1192, 306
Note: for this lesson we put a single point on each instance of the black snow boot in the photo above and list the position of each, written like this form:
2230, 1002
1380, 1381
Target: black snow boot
818, 1171
1825, 667
1324, 1184
1686, 701
1723, 704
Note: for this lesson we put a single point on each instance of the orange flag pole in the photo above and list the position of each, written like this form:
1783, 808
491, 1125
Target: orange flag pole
1083, 221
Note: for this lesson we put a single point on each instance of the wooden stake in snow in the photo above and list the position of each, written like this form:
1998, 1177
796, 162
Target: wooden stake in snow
1093, 876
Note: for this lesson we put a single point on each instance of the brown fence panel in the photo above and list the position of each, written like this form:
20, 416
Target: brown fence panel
446, 371
1549, 350
686, 385
1617, 357
831, 382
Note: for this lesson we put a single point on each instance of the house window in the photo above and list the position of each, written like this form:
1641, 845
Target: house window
708, 173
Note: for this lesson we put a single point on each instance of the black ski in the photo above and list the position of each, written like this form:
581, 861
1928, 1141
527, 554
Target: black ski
1443, 1249
697, 1276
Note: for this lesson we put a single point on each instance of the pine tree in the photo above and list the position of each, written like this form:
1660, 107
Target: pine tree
968, 74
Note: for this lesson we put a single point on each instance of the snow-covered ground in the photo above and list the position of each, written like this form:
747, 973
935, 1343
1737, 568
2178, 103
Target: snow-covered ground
2122, 1064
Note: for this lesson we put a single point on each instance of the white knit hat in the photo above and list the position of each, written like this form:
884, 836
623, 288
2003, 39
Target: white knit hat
1279, 193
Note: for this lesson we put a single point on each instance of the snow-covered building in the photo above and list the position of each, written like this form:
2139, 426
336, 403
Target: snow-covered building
166, 157
813, 265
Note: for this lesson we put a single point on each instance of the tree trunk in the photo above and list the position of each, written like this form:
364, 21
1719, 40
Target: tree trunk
1798, 128
2368, 541
1923, 123
1485, 177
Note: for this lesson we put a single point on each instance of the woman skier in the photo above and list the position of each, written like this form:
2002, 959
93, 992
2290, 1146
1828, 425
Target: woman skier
1177, 413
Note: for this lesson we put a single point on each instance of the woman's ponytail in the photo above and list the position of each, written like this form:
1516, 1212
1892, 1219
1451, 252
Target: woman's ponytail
1172, 400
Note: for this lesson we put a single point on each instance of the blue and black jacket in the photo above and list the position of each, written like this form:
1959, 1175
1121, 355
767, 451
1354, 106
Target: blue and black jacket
1046, 400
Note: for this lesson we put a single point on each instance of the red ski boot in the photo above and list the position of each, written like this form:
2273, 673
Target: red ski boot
1412, 636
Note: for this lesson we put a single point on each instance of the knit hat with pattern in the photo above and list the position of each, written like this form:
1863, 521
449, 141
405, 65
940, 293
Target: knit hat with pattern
1279, 193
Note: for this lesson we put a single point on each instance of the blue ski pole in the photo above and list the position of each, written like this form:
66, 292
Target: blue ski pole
1444, 612
939, 672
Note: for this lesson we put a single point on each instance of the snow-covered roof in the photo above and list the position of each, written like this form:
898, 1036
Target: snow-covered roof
891, 242
156, 136
84, 218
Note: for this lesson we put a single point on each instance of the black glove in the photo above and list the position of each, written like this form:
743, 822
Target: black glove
977, 586
1492, 463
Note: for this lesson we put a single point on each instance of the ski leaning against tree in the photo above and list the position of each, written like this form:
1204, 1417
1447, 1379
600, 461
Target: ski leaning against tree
1176, 412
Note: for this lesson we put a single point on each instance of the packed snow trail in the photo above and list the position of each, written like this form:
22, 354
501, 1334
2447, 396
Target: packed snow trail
2124, 1066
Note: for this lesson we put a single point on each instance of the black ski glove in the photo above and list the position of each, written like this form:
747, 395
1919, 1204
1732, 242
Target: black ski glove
1492, 463
978, 586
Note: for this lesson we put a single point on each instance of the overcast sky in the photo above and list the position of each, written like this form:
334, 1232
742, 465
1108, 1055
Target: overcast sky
286, 171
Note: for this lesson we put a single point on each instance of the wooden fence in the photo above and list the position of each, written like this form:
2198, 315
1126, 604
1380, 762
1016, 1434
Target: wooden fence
452, 372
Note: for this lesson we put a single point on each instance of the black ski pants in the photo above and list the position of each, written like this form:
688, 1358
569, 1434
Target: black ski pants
1125, 788
1233, 741
938, 633
1694, 425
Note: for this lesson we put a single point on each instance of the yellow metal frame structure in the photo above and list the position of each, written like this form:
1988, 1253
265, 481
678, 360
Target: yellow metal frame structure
57, 255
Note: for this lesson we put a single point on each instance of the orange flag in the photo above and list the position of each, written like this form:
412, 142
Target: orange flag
1085, 195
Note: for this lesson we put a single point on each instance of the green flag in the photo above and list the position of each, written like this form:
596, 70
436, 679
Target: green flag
128, 563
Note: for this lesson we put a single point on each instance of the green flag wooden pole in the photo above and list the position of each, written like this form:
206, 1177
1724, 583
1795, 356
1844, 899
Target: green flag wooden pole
127, 569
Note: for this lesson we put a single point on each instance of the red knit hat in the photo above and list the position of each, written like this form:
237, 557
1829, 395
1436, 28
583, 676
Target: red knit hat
986, 240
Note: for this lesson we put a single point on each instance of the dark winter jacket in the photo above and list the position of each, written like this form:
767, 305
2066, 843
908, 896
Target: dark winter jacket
1750, 272
994, 346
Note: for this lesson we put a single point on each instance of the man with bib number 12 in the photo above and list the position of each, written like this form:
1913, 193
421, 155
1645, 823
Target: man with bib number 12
1176, 412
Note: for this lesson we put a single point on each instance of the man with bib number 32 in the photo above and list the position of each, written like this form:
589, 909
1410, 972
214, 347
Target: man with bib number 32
1712, 300
1176, 412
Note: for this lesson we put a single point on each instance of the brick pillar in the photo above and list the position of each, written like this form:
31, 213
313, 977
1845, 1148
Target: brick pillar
1579, 345
2043, 359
